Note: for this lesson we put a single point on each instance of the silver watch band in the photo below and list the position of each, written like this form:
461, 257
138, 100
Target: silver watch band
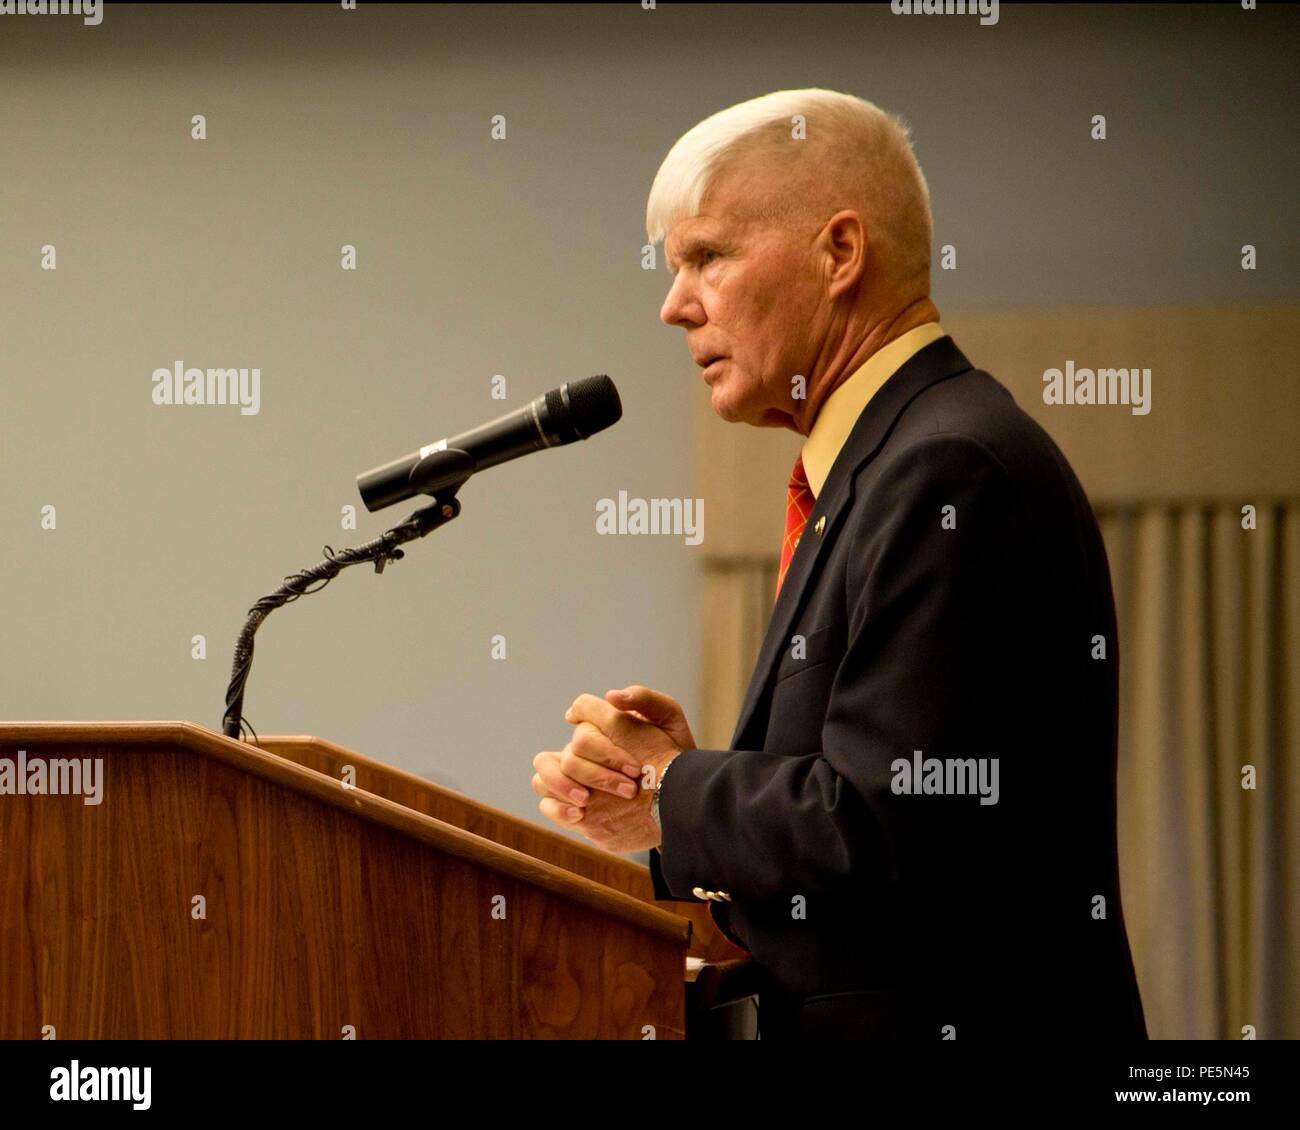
654, 803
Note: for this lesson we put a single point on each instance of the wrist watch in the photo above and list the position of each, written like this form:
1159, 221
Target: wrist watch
654, 801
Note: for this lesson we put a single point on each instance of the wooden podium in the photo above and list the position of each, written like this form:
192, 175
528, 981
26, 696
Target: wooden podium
220, 889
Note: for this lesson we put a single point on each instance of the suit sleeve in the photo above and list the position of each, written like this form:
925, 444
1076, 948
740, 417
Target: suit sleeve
926, 597
657, 878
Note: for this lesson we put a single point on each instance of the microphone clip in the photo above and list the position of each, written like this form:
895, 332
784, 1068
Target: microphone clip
442, 473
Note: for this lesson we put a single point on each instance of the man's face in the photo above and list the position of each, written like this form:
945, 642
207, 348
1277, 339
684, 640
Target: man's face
747, 294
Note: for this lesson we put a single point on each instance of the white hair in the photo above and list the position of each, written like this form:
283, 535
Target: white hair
852, 155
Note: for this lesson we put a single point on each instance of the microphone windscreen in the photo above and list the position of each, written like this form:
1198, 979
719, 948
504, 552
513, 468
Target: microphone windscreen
593, 405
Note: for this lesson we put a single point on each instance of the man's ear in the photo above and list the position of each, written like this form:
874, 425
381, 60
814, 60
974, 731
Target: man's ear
844, 241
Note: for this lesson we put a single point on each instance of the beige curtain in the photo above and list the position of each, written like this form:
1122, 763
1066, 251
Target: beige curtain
1209, 618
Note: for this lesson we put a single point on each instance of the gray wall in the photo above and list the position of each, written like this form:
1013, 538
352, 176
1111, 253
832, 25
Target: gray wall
478, 257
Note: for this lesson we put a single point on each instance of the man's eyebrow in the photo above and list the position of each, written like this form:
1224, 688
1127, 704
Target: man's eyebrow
689, 249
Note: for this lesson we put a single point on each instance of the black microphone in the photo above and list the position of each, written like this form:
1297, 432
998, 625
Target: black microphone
571, 412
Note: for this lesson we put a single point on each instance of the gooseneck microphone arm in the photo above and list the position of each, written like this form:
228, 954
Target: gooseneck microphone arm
440, 474
573, 411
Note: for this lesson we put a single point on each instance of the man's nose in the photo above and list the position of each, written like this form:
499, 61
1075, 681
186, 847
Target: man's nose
681, 308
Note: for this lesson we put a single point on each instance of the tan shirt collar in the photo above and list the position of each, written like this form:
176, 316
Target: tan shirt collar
835, 421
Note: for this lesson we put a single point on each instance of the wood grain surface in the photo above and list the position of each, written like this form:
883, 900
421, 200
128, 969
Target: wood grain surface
324, 909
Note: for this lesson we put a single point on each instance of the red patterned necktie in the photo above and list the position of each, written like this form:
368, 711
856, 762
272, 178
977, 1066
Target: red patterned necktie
798, 505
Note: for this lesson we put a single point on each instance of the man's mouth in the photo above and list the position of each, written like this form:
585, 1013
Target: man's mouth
710, 364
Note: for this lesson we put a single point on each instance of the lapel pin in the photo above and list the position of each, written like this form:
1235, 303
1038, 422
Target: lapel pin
820, 525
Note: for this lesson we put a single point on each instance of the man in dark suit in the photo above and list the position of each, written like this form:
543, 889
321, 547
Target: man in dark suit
913, 832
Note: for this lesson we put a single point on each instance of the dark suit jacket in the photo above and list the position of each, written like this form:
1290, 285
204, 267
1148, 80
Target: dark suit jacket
970, 632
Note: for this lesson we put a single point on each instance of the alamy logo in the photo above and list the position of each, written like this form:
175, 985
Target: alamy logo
683, 517
91, 11
949, 776
987, 10
179, 385
55, 776
1098, 386
101, 1084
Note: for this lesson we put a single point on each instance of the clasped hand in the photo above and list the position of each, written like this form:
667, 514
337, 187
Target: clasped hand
603, 781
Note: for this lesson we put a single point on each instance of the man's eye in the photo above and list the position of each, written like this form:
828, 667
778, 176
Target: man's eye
709, 256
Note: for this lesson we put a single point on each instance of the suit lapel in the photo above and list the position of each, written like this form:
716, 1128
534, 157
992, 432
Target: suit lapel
936, 362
